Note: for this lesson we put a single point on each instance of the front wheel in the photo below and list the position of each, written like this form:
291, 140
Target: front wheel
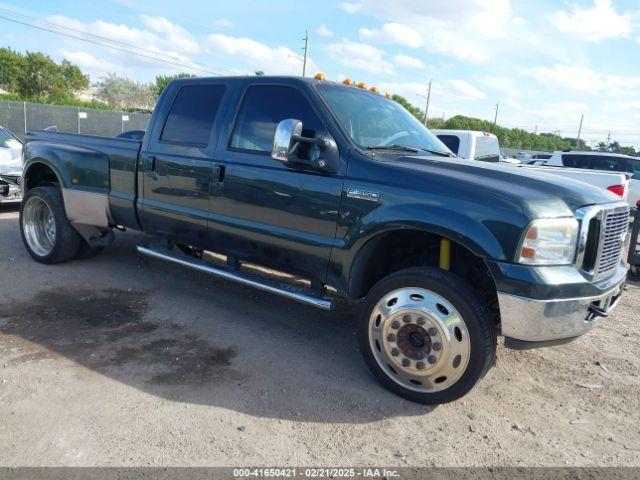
46, 232
426, 336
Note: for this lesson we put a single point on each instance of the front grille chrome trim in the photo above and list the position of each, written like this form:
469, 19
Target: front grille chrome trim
613, 220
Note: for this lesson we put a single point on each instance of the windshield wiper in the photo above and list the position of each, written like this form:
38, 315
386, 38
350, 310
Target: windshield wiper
400, 148
440, 152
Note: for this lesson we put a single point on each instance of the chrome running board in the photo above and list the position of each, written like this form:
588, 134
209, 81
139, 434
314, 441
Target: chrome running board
163, 254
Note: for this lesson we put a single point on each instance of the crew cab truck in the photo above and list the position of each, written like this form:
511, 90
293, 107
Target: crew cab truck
343, 191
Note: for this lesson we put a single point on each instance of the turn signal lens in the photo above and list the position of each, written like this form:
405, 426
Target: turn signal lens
347, 81
549, 241
389, 96
319, 76
374, 89
362, 85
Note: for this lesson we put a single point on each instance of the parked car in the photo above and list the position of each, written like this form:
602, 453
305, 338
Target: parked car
484, 146
350, 196
10, 166
603, 161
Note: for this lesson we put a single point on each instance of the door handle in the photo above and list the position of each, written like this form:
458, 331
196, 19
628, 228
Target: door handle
151, 167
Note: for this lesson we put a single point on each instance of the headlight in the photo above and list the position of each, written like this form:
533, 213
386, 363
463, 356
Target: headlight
549, 241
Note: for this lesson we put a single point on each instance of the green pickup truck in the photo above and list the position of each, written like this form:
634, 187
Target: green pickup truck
333, 191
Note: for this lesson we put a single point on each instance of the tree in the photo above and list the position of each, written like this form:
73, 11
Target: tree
35, 76
415, 111
12, 66
259, 73
162, 81
124, 93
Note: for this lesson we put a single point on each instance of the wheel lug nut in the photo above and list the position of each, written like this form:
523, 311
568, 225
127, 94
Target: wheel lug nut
395, 324
406, 362
433, 331
395, 352
420, 365
437, 347
420, 321
406, 319
391, 337
432, 359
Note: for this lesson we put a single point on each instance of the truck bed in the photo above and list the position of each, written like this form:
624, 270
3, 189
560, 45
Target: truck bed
96, 164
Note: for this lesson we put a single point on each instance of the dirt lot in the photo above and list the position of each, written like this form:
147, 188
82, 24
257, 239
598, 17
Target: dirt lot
123, 360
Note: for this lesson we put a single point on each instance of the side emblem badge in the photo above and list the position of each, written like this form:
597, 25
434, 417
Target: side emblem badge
363, 194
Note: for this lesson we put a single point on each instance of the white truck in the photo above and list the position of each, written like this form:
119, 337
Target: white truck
601, 161
484, 146
10, 166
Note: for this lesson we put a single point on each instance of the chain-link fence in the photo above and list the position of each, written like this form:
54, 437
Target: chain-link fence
20, 117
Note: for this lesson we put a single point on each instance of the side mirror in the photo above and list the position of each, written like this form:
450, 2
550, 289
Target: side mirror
285, 144
323, 153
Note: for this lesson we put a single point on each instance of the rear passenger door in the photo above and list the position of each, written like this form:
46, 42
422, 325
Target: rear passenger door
176, 164
282, 216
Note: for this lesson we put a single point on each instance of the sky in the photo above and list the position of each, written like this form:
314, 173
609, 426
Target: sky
545, 62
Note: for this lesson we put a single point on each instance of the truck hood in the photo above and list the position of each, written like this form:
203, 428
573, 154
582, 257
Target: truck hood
537, 193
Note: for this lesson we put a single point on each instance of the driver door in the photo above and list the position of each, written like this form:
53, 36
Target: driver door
269, 213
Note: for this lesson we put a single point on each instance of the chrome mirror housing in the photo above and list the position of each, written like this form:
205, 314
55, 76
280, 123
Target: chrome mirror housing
285, 143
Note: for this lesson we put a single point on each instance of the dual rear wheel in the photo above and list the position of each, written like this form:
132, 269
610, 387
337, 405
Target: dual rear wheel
46, 231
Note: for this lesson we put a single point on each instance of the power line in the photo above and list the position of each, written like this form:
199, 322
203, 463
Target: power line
113, 47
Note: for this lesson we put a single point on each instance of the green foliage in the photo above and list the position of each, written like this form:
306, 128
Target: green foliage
415, 111
162, 81
511, 137
12, 65
259, 73
123, 93
36, 76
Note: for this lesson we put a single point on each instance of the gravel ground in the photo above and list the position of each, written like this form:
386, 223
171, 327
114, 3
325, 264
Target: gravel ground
123, 360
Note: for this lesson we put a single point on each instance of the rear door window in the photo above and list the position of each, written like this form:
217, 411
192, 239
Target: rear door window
487, 149
192, 114
451, 141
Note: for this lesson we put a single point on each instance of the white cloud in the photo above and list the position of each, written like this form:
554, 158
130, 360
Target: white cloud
324, 31
585, 80
392, 33
222, 23
274, 60
600, 22
406, 61
567, 77
353, 7
467, 90
519, 21
179, 37
88, 63
360, 56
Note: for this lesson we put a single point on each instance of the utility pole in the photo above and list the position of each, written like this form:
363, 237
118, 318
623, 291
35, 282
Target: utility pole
535, 131
579, 131
609, 139
495, 119
426, 110
306, 49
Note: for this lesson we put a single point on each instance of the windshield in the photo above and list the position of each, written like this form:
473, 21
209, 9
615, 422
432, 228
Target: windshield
372, 120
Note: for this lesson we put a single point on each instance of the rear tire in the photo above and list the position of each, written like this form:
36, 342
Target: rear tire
46, 232
426, 336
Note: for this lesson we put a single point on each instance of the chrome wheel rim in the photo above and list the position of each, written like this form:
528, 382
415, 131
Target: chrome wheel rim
419, 339
39, 226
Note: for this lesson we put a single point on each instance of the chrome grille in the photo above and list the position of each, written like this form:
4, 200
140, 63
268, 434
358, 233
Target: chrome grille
615, 225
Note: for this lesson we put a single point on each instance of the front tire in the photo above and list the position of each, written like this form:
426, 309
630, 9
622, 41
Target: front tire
426, 336
46, 232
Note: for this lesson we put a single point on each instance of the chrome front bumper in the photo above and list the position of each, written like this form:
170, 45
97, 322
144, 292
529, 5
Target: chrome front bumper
527, 320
